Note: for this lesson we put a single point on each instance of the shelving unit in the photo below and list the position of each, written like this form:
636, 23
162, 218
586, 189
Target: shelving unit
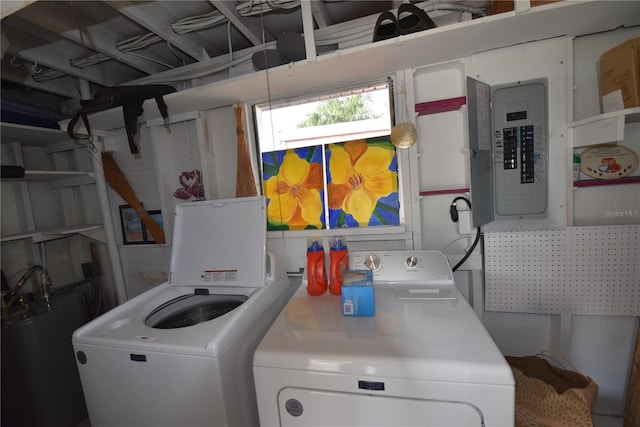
593, 201
607, 128
45, 235
49, 165
55, 199
599, 183
603, 128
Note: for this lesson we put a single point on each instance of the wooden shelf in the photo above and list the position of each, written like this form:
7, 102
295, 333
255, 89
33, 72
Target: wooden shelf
602, 182
43, 236
603, 128
63, 178
30, 135
351, 65
440, 106
631, 115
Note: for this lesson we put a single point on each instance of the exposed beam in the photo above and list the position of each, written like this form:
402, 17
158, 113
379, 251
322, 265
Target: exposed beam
250, 27
320, 13
55, 18
157, 20
7, 7
59, 86
205, 69
307, 26
54, 55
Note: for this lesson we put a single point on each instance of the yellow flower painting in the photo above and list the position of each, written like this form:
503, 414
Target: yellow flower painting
294, 189
362, 184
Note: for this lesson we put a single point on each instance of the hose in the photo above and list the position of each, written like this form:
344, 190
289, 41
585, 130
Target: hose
45, 286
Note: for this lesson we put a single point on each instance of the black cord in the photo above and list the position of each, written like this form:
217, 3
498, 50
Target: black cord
473, 246
453, 211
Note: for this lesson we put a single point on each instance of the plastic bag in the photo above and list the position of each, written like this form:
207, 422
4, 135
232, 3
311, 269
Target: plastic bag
547, 395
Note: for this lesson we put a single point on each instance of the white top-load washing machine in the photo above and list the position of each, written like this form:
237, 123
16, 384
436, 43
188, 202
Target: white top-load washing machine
181, 353
424, 359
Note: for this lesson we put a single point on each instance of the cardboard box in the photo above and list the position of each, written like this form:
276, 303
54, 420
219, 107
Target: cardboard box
357, 293
620, 77
501, 6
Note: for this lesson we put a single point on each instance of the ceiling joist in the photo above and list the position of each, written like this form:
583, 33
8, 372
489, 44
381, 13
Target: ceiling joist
55, 18
250, 26
148, 15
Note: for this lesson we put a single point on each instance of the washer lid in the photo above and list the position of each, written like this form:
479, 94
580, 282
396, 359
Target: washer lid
220, 243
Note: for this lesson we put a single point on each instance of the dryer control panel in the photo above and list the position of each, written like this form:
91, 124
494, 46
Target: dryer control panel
397, 267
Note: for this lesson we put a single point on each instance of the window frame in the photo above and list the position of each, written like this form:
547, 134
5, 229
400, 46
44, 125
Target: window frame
404, 231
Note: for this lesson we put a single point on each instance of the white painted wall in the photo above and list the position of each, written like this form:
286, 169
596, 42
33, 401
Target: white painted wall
598, 346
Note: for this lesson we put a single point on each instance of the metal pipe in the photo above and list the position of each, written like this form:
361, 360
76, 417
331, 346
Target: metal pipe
45, 282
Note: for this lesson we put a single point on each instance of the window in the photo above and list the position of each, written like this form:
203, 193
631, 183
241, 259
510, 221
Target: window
328, 162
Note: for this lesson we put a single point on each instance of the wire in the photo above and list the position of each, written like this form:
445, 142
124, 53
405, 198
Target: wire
14, 63
152, 60
473, 246
264, 50
207, 72
453, 211
175, 54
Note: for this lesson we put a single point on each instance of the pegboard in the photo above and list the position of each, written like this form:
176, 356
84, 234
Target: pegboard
578, 270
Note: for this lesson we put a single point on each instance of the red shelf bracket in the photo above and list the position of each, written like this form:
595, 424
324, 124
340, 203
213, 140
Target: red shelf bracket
440, 106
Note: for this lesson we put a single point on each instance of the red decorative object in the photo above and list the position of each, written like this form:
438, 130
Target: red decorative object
191, 187
440, 106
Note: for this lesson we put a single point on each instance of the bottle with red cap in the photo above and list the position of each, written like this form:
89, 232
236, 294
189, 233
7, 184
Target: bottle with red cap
338, 263
316, 274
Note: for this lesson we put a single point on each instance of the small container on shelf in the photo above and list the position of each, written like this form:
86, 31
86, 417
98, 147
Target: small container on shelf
576, 166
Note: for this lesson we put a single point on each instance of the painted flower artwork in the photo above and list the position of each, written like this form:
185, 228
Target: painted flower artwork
294, 189
362, 188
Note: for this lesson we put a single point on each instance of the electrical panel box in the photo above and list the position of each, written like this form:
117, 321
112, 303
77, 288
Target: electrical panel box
519, 115
508, 135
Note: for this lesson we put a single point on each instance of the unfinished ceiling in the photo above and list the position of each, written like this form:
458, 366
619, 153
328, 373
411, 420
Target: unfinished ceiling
56, 52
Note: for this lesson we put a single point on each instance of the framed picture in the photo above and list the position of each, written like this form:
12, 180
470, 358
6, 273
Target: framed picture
132, 227
156, 216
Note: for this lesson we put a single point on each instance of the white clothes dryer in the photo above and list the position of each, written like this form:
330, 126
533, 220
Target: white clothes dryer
181, 353
424, 359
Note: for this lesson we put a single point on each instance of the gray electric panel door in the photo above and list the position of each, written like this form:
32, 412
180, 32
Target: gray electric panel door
479, 108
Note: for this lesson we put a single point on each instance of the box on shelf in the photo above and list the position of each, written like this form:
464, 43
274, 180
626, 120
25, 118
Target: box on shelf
501, 6
620, 77
357, 293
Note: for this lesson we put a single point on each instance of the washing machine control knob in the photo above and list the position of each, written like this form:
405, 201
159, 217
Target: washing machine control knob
411, 261
372, 262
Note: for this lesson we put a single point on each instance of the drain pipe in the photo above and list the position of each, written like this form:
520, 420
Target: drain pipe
105, 209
